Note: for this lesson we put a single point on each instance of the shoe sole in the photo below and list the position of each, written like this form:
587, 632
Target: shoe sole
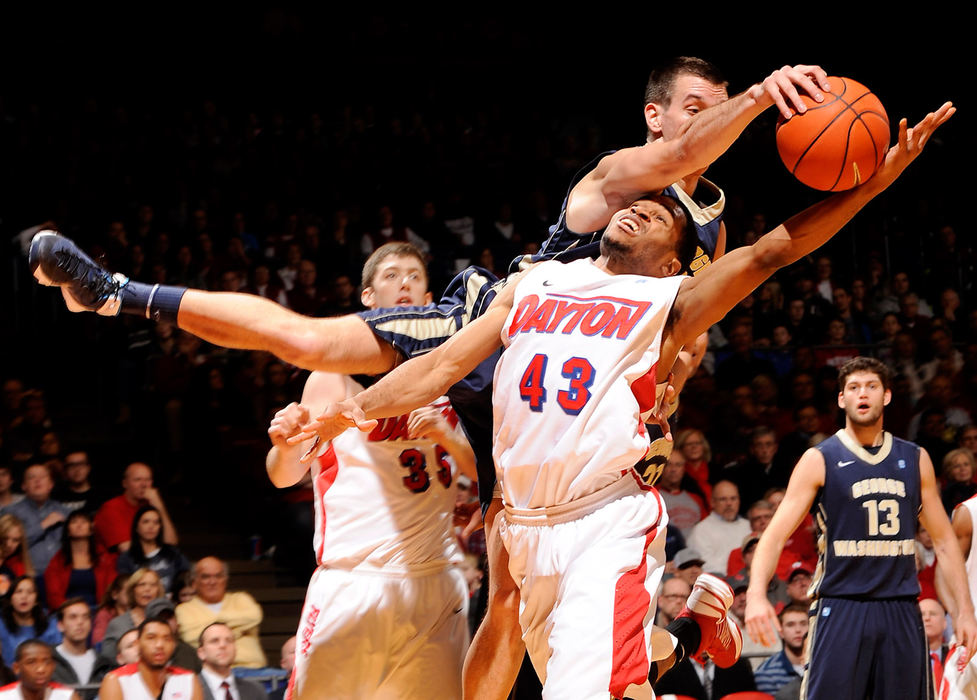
34, 257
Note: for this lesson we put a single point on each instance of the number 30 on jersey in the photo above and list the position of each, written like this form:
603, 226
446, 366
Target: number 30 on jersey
577, 370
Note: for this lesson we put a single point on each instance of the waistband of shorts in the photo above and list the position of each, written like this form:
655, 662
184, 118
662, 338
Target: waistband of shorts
414, 570
575, 509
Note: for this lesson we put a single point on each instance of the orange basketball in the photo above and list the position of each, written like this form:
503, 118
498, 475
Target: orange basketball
836, 144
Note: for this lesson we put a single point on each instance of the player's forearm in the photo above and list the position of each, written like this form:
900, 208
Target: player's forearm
284, 466
763, 567
248, 322
461, 452
415, 383
170, 535
709, 134
950, 566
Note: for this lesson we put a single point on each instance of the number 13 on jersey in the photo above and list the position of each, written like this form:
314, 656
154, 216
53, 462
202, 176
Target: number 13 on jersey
577, 370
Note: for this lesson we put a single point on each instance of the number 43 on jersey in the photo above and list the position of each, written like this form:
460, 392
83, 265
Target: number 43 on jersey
577, 370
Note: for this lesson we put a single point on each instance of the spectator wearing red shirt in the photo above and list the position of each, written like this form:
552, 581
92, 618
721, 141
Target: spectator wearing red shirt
113, 522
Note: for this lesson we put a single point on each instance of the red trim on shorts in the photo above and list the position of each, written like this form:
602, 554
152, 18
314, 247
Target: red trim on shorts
290, 688
328, 469
629, 661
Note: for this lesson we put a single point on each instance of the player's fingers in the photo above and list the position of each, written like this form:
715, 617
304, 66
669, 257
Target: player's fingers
803, 81
784, 95
819, 75
360, 421
302, 436
311, 452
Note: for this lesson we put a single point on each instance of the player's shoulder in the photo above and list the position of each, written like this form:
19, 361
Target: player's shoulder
127, 670
178, 671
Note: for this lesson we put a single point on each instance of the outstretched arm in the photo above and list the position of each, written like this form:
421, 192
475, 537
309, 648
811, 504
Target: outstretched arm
422, 379
284, 461
949, 560
806, 479
707, 297
344, 344
701, 140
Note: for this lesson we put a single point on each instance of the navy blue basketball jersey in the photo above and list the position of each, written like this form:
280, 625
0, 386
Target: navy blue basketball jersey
565, 245
867, 515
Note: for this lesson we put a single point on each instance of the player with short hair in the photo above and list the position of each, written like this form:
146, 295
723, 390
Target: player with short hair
872, 491
34, 665
585, 536
151, 678
386, 614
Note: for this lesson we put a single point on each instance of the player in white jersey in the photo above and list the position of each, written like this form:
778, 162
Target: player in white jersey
34, 666
386, 612
587, 547
959, 675
150, 678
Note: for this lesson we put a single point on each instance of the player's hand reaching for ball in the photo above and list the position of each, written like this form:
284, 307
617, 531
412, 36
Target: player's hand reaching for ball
910, 144
780, 88
287, 423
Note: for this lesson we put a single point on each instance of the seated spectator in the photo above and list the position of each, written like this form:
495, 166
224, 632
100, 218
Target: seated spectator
688, 565
723, 530
934, 625
75, 491
674, 593
40, 514
959, 469
184, 655
75, 661
690, 677
23, 619
287, 664
684, 507
752, 650
216, 651
213, 603
151, 676
7, 496
798, 587
15, 558
33, 664
79, 569
127, 650
112, 604
698, 454
783, 667
141, 589
148, 550
183, 587
759, 516
113, 522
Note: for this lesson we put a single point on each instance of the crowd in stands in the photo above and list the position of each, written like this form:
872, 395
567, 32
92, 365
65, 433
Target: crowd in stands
287, 205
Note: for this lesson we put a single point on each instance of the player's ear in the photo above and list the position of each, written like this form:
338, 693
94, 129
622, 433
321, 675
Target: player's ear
841, 399
367, 297
653, 121
428, 298
672, 267
887, 397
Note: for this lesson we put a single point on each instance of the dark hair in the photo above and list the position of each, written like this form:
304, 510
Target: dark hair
156, 619
864, 364
66, 539
688, 240
389, 250
33, 642
200, 639
67, 604
662, 77
117, 586
41, 621
135, 544
793, 608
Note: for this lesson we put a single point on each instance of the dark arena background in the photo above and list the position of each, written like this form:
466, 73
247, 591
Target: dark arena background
193, 146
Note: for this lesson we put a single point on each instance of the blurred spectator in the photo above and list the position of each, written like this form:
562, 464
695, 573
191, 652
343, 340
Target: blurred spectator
42, 517
263, 286
698, 454
184, 655
112, 604
307, 296
213, 603
947, 360
674, 592
754, 651
934, 625
904, 362
688, 565
798, 587
24, 433
23, 618
142, 588
75, 492
950, 314
721, 531
781, 668
75, 661
79, 569
148, 550
216, 651
857, 327
959, 470
761, 470
967, 437
15, 558
684, 508
703, 680
835, 350
7, 496
127, 651
113, 522
741, 362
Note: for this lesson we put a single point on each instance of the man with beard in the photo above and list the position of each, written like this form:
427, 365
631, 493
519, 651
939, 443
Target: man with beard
150, 677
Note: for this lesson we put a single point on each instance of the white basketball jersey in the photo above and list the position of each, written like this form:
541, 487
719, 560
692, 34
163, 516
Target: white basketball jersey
384, 501
577, 373
971, 565
179, 684
54, 691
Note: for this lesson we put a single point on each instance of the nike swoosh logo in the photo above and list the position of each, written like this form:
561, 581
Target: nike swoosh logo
547, 283
845, 464
458, 610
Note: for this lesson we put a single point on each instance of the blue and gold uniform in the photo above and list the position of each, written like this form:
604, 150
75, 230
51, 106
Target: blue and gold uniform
417, 330
866, 637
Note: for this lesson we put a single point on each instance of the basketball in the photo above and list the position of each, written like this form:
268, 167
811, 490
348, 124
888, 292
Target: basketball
836, 144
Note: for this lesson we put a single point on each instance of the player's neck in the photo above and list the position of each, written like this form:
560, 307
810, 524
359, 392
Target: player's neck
866, 435
154, 678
